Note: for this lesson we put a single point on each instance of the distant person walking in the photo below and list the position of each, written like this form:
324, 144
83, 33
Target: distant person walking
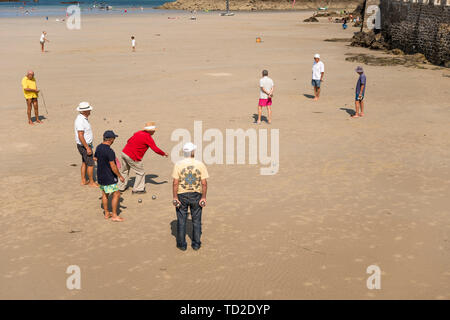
30, 92
43, 40
318, 71
189, 191
84, 138
107, 174
132, 154
133, 43
360, 92
265, 95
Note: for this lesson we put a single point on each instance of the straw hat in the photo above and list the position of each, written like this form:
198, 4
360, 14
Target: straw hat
150, 126
84, 106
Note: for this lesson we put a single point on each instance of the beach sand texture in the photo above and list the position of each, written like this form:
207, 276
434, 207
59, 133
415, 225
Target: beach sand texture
349, 192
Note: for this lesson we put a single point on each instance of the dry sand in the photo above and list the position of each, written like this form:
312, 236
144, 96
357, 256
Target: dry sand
349, 193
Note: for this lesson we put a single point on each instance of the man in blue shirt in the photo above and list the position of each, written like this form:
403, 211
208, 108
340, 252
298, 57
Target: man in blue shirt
107, 174
359, 94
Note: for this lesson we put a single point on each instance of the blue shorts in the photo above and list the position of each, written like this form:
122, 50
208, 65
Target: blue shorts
357, 97
315, 83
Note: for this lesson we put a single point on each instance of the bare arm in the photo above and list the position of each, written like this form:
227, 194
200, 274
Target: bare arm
115, 170
175, 189
31, 90
321, 76
362, 89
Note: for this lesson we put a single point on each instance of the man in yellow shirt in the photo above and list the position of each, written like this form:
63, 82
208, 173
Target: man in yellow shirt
30, 92
189, 191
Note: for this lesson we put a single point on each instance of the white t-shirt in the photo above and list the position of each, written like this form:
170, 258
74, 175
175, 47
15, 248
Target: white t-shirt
82, 124
267, 84
42, 38
317, 69
133, 42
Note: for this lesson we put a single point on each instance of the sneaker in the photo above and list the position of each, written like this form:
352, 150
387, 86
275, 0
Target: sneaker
182, 248
196, 248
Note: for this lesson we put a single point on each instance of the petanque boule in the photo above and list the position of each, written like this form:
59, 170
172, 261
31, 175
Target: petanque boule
153, 197
139, 200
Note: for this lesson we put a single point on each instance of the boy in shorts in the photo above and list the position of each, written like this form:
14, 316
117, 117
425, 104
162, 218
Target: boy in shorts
107, 174
265, 95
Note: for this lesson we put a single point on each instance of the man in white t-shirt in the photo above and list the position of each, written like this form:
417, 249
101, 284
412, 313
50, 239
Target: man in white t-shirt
84, 138
318, 70
43, 39
265, 95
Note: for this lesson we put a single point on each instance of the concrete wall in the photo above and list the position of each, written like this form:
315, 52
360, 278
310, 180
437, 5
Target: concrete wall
418, 26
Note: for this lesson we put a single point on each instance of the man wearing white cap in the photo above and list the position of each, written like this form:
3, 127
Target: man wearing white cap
318, 70
84, 138
189, 191
132, 154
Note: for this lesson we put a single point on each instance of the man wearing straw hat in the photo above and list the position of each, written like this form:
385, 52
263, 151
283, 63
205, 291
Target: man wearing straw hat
189, 191
84, 138
31, 92
132, 154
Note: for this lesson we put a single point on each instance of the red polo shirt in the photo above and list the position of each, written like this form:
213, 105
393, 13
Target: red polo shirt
138, 144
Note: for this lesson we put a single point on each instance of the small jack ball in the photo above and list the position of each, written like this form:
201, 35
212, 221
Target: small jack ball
140, 200
153, 197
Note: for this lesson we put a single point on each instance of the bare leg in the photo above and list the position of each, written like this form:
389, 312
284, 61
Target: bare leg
318, 93
105, 205
269, 109
362, 108
259, 114
356, 115
36, 110
90, 173
29, 111
42, 47
115, 204
83, 174
315, 94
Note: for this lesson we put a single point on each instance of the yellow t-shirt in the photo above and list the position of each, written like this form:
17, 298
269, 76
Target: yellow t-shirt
190, 173
29, 84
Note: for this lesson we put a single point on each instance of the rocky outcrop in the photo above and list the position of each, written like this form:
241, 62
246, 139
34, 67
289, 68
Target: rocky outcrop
252, 5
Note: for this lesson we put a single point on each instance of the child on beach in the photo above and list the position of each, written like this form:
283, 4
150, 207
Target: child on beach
265, 95
43, 39
133, 43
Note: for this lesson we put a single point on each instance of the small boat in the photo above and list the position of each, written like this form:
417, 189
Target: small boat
322, 8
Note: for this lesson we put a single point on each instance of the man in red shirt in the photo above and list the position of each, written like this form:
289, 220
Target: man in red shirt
132, 156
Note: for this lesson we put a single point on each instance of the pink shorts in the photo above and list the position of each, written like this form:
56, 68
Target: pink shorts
265, 102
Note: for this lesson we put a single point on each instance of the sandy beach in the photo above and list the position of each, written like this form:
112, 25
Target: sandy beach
349, 193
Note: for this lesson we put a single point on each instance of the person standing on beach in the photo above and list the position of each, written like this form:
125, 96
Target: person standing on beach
107, 174
84, 138
318, 70
43, 40
360, 92
265, 95
133, 43
30, 93
189, 191
132, 154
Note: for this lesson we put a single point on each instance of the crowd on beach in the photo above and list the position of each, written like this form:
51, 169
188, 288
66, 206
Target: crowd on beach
189, 175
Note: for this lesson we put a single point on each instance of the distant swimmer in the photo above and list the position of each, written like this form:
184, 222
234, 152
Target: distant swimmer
43, 40
30, 92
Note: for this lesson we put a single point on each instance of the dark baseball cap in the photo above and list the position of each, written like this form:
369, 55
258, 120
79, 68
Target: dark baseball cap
109, 134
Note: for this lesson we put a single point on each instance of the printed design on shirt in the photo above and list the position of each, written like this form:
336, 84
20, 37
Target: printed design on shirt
190, 178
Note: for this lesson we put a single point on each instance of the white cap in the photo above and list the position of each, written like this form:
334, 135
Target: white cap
189, 147
317, 56
84, 106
